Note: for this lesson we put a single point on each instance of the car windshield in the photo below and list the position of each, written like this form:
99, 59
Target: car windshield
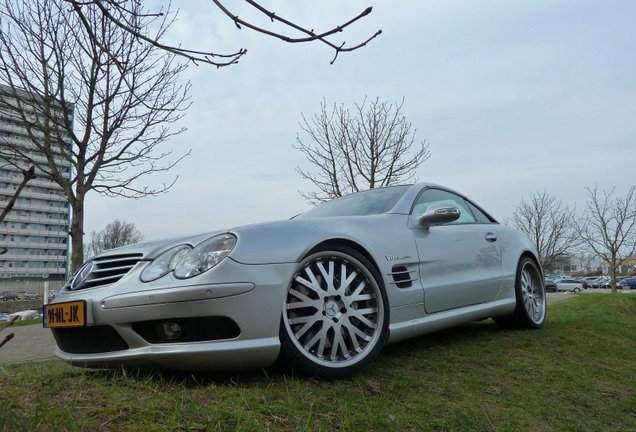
369, 202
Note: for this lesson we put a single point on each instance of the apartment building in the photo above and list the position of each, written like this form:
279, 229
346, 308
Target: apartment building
35, 231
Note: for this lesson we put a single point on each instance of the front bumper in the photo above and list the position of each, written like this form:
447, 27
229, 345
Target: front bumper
252, 298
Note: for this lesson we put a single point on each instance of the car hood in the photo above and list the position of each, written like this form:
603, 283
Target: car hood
151, 249
281, 241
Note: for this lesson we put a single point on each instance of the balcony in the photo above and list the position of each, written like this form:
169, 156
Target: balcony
33, 258
32, 244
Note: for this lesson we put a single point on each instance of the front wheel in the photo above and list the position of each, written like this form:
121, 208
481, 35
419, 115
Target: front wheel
576, 290
335, 316
530, 296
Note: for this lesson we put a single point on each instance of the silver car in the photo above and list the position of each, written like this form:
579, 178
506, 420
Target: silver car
323, 291
572, 285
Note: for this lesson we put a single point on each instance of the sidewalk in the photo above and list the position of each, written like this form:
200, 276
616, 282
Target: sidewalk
31, 343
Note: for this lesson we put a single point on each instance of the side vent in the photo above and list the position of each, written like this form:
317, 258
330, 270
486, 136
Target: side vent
402, 276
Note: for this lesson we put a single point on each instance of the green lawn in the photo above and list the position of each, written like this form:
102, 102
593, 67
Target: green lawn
576, 374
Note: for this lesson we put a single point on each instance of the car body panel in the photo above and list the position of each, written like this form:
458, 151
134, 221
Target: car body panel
458, 266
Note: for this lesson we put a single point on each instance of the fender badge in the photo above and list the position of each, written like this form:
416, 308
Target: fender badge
395, 258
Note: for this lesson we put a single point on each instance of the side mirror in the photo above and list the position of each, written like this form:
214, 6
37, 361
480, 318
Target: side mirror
437, 214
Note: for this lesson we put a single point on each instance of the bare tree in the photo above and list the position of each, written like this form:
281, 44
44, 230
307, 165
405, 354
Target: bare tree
116, 234
549, 224
88, 119
128, 18
367, 149
609, 227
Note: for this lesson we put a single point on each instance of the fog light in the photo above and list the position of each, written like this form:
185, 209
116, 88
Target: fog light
169, 330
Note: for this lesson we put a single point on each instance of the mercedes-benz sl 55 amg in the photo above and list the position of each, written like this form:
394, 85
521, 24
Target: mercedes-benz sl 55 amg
323, 291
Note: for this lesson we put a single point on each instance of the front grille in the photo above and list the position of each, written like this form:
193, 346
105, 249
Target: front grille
89, 340
104, 271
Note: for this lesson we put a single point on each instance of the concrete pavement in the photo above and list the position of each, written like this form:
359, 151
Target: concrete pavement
30, 343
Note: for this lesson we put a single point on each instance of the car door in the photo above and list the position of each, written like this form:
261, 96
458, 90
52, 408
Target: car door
460, 263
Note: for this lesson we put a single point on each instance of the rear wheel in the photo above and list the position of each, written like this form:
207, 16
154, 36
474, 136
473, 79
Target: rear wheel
530, 296
336, 315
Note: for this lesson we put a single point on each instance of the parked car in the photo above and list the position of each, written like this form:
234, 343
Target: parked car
28, 295
599, 282
569, 285
550, 285
9, 295
626, 283
323, 291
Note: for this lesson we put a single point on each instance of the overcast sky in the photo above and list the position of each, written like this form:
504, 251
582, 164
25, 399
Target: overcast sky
514, 98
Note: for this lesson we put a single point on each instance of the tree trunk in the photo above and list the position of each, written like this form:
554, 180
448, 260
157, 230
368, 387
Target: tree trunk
77, 234
613, 274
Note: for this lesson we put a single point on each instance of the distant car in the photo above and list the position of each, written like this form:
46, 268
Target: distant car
28, 295
569, 285
598, 282
53, 293
626, 283
325, 290
550, 285
9, 295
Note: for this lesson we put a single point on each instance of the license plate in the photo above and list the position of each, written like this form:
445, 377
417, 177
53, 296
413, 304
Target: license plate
70, 314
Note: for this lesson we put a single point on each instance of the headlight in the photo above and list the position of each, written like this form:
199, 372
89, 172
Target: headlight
164, 263
205, 256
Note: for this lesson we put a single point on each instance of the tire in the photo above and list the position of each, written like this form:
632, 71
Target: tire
530, 309
335, 316
576, 290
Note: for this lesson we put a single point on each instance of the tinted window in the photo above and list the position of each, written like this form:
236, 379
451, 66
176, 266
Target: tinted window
370, 202
479, 215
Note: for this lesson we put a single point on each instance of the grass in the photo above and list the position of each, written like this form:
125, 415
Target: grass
577, 374
21, 323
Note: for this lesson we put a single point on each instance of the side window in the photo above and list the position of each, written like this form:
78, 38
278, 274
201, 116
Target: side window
437, 196
479, 215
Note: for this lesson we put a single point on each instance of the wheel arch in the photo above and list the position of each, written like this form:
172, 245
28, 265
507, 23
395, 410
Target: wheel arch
532, 256
345, 242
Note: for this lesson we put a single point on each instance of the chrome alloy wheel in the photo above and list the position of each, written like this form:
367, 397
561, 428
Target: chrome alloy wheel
335, 311
533, 292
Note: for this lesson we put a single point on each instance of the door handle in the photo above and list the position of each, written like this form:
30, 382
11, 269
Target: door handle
491, 237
